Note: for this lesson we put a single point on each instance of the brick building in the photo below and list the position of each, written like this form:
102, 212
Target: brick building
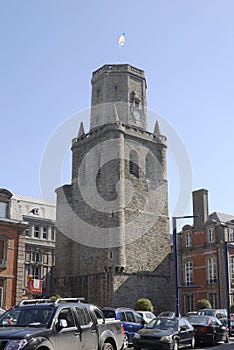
27, 243
113, 242
202, 256
11, 253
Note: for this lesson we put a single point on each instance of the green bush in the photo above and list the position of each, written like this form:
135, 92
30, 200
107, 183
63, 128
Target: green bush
144, 304
232, 307
203, 304
55, 297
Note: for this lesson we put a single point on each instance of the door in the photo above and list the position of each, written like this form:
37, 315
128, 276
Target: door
132, 324
68, 336
88, 329
186, 332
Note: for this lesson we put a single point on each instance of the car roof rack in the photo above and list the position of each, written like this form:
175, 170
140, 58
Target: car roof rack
50, 301
69, 300
35, 301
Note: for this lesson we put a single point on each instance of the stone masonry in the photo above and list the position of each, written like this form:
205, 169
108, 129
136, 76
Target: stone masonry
113, 242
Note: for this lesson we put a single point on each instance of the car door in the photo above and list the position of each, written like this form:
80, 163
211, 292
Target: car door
186, 332
133, 324
88, 329
66, 336
220, 329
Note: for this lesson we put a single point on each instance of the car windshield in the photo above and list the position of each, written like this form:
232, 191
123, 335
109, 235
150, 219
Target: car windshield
163, 323
27, 316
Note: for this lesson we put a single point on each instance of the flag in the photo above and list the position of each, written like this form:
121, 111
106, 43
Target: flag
35, 286
121, 39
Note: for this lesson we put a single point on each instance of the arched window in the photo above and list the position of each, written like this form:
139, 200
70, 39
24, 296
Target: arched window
133, 164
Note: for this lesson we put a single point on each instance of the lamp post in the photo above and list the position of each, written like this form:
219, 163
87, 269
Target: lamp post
175, 245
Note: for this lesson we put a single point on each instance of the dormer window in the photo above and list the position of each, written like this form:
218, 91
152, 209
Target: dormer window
3, 210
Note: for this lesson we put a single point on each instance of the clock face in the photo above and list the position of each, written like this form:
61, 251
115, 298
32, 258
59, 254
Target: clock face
136, 114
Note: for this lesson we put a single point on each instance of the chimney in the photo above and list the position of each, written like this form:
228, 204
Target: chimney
200, 208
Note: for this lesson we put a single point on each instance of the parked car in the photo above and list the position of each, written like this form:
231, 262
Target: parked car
147, 315
165, 333
221, 314
130, 319
62, 324
167, 314
191, 313
208, 330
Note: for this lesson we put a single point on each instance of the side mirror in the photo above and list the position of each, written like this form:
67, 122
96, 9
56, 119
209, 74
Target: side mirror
61, 324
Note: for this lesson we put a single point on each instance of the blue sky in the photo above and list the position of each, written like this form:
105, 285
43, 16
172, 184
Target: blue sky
49, 50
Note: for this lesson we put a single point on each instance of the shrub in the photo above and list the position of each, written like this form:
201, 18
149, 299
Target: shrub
144, 304
232, 307
55, 297
203, 304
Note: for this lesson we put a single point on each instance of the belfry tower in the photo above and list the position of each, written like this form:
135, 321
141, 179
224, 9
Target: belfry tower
113, 242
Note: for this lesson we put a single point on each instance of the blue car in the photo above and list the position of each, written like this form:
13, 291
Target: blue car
130, 319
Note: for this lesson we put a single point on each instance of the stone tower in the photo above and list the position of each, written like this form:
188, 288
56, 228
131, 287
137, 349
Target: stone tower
113, 243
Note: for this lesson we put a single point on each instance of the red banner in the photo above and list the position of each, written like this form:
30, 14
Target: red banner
35, 286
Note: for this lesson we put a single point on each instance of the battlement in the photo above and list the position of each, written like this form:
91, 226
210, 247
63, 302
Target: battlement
116, 68
121, 127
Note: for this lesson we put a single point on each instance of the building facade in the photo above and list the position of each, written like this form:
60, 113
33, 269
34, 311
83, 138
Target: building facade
40, 237
27, 243
12, 233
113, 240
202, 257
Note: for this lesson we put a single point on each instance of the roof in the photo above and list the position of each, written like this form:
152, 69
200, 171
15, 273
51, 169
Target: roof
35, 200
221, 217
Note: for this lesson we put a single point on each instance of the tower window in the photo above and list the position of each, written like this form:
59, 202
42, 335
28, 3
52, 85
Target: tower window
133, 164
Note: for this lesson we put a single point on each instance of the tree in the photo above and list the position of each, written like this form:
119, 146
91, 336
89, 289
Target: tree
203, 304
144, 304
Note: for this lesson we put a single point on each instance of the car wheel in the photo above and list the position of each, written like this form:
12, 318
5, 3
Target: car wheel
193, 343
175, 345
125, 341
107, 346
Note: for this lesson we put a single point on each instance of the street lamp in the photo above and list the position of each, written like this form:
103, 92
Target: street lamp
175, 245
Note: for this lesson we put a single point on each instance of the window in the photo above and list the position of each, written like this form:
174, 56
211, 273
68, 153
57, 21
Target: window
36, 273
232, 269
188, 273
188, 240
133, 164
231, 234
3, 209
3, 253
44, 232
35, 257
66, 314
212, 297
37, 231
52, 233
189, 302
83, 316
211, 271
210, 235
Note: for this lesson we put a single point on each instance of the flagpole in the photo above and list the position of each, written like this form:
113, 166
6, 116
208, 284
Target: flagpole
118, 50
